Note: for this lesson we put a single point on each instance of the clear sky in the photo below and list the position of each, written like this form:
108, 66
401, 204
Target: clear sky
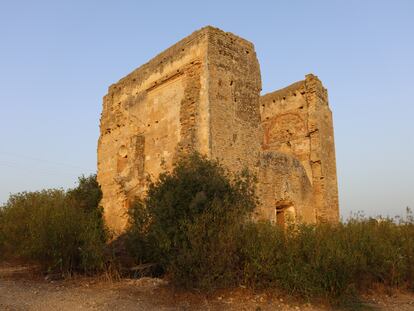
57, 59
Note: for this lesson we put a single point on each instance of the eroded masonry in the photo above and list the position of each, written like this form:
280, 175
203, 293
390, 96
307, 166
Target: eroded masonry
203, 94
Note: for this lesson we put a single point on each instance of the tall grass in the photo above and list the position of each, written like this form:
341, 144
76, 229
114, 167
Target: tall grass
332, 261
62, 231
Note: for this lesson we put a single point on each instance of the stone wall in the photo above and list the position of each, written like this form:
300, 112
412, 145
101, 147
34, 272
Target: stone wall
203, 94
148, 117
284, 189
234, 90
297, 121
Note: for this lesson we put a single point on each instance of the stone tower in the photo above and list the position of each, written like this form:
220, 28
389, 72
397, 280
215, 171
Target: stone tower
298, 148
203, 94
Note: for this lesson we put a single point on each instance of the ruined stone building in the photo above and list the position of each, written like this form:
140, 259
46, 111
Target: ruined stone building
203, 94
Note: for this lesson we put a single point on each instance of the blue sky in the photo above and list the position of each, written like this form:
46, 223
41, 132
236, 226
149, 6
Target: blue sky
57, 59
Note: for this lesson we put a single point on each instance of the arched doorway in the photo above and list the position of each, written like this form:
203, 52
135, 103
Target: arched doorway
285, 213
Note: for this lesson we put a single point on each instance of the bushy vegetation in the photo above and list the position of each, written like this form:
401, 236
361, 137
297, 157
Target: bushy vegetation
196, 224
189, 221
326, 260
61, 230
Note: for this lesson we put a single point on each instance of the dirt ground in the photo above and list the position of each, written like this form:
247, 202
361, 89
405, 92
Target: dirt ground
23, 289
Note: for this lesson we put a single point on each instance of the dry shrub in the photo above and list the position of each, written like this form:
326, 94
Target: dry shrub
334, 261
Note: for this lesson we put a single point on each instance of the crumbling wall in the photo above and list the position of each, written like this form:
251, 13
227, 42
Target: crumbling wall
297, 121
284, 184
203, 94
149, 118
234, 92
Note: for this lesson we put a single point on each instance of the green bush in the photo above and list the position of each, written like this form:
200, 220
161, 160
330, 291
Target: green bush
195, 222
62, 231
325, 260
191, 219
87, 196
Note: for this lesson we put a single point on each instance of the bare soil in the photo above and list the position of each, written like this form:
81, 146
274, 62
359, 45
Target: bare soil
23, 288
